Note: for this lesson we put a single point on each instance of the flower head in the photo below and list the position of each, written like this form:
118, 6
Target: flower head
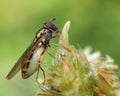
76, 72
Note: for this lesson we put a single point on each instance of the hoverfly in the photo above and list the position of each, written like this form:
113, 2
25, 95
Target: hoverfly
31, 59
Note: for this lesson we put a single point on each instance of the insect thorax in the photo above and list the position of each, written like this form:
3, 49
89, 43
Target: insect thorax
43, 36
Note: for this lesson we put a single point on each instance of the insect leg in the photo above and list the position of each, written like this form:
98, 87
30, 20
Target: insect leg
56, 45
43, 73
57, 34
54, 50
37, 72
50, 54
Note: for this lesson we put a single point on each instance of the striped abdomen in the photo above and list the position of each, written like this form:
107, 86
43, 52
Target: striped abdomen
32, 63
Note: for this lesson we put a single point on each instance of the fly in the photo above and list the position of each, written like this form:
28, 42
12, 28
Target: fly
31, 59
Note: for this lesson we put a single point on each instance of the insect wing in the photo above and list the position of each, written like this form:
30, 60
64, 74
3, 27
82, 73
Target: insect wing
17, 66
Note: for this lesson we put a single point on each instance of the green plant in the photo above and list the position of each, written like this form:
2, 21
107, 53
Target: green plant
77, 72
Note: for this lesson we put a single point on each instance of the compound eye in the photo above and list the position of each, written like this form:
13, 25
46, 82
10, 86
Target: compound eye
50, 25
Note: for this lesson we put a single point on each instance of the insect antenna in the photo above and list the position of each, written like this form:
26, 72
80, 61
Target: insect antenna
52, 20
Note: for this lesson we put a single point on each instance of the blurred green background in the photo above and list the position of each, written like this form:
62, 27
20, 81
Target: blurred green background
94, 22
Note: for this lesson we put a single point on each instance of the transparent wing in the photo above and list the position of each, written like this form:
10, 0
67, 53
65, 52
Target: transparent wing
14, 70
17, 66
